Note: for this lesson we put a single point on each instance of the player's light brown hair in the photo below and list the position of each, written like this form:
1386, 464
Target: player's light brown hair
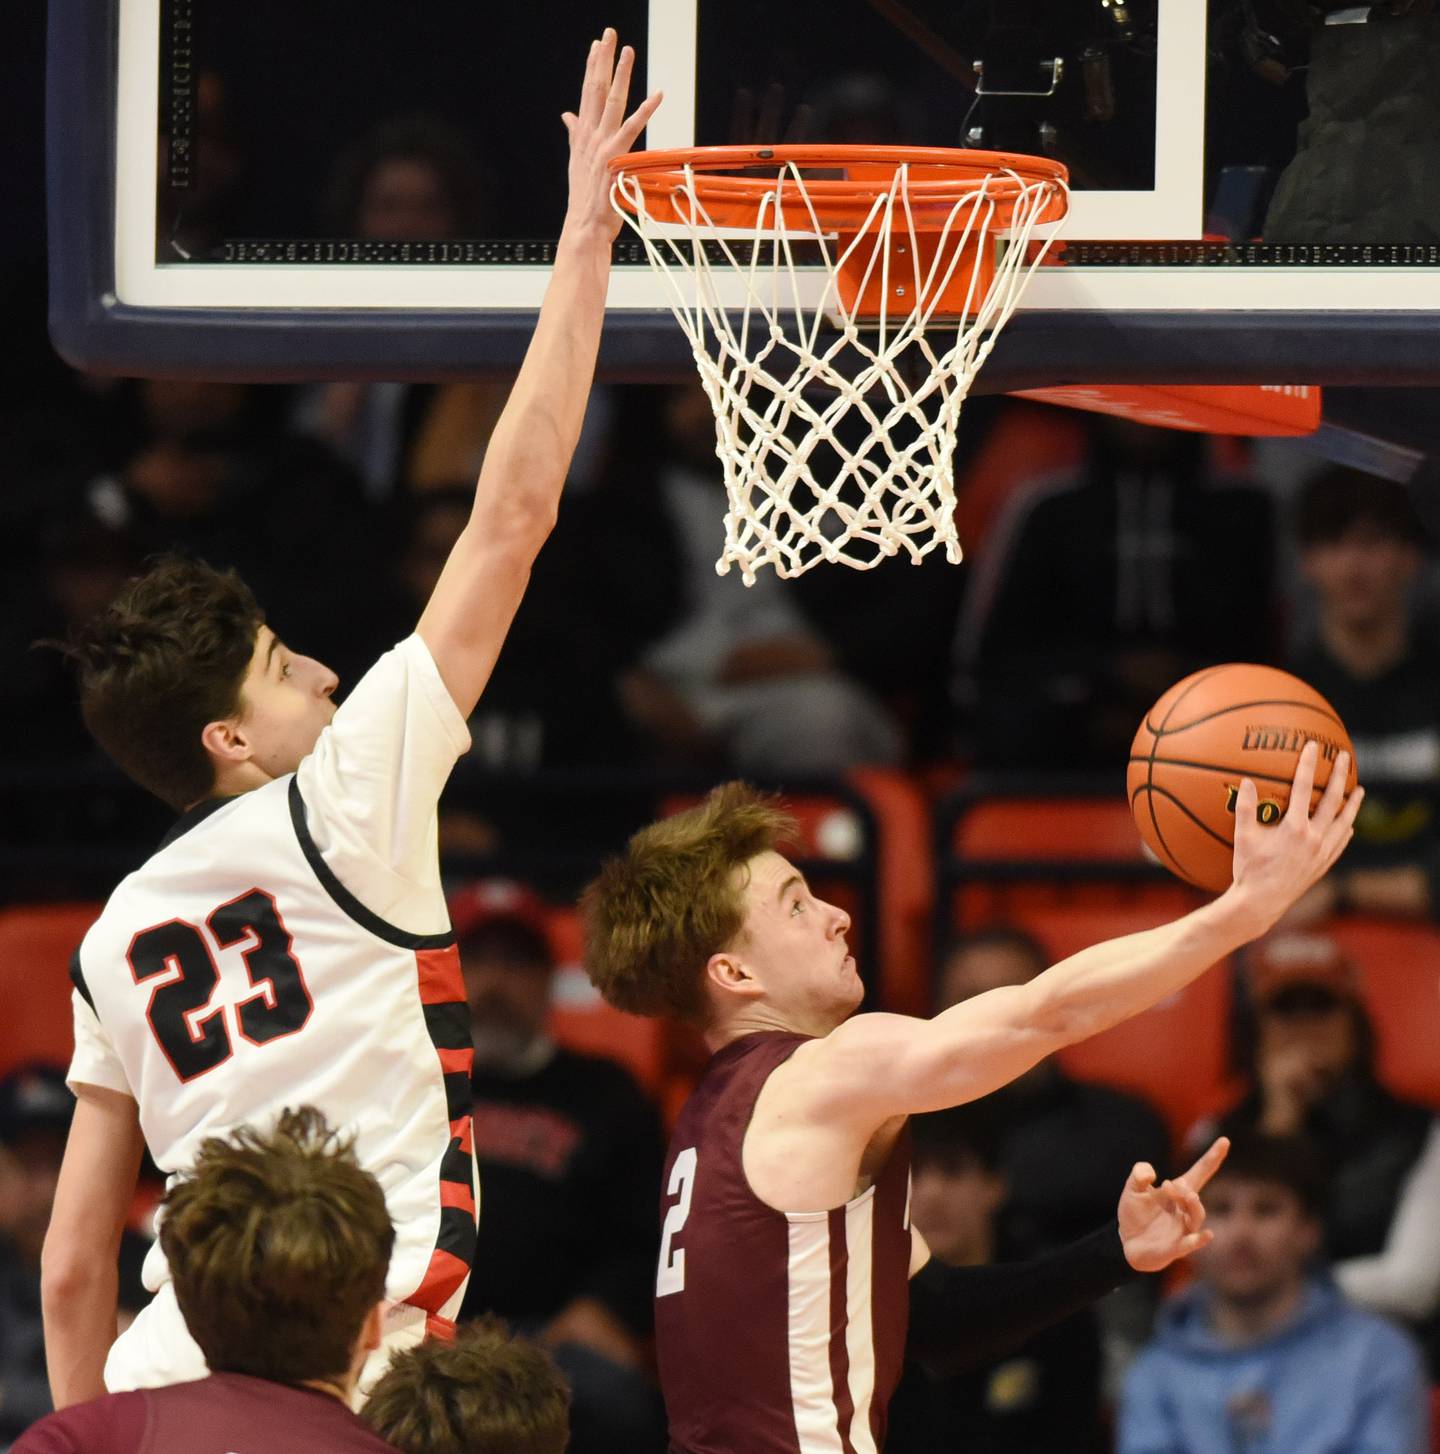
279, 1244
657, 912
167, 656
485, 1393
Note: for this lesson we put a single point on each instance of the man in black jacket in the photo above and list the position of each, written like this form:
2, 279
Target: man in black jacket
569, 1151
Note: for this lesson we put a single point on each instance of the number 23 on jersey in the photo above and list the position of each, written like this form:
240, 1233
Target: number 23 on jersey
193, 1037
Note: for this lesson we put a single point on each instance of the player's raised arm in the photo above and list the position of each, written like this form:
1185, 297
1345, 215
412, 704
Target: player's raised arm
529, 454
878, 1066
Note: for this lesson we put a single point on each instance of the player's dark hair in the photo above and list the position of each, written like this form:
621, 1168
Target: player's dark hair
485, 1393
1335, 501
167, 656
279, 1245
1291, 1162
658, 911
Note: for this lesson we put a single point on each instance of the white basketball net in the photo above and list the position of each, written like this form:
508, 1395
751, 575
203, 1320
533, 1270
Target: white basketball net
837, 433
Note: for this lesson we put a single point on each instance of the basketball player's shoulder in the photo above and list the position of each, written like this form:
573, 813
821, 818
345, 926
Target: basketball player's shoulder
827, 1072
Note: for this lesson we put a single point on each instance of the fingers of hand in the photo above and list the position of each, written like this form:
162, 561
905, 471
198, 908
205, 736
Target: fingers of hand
619, 90
1207, 1165
1247, 801
1142, 1176
1304, 782
1334, 796
1185, 1204
1195, 1241
639, 120
597, 78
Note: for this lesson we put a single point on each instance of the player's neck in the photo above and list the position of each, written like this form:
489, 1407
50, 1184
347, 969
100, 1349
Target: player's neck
335, 1387
761, 1019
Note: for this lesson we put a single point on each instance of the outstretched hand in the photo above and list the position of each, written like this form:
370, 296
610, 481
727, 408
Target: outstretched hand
600, 131
1161, 1224
1275, 864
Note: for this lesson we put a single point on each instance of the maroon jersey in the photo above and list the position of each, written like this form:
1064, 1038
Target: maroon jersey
777, 1333
227, 1413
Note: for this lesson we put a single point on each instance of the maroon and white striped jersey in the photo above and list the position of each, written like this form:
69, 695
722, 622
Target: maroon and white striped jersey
777, 1332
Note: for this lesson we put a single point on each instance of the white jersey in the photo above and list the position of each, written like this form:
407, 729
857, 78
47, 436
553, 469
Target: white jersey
291, 946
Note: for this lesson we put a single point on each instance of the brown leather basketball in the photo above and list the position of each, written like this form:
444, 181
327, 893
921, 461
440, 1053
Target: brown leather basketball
1201, 738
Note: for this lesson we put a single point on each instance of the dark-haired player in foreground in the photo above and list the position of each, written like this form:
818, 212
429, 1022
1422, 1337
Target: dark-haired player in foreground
787, 1256
279, 1246
290, 940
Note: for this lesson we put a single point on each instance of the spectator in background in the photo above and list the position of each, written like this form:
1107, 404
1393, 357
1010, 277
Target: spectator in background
1066, 1144
1362, 549
213, 471
73, 567
741, 676
279, 1244
1264, 1355
1044, 1395
1311, 1071
485, 1393
568, 644
35, 1109
416, 178
1098, 591
569, 1151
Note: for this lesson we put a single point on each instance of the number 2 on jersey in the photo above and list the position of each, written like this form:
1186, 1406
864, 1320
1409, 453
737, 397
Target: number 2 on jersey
193, 1042
671, 1276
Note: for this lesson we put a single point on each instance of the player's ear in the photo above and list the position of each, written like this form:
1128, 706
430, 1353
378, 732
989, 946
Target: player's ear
728, 972
373, 1327
226, 741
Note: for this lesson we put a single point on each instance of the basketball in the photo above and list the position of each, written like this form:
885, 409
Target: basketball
1201, 738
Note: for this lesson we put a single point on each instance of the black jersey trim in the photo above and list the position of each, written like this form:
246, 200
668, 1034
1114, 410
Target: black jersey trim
448, 1025
458, 1233
344, 898
193, 816
77, 978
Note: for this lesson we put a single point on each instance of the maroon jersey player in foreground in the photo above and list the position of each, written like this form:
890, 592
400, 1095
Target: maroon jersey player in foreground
787, 1262
279, 1245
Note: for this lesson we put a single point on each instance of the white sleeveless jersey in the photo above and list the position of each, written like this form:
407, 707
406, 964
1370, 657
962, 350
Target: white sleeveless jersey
291, 946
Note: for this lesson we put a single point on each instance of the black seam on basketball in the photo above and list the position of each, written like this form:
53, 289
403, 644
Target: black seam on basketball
1245, 707
1170, 711
1265, 777
1147, 789
1198, 822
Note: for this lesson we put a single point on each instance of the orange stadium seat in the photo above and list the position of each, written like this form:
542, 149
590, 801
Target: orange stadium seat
1399, 964
1036, 832
907, 887
36, 942
1003, 829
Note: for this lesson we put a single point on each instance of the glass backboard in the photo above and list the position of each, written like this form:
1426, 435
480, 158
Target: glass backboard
353, 186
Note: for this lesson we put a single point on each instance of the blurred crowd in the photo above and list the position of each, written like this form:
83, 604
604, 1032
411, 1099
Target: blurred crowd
1104, 561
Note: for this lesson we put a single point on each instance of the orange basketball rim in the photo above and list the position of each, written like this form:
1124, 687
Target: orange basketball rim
850, 191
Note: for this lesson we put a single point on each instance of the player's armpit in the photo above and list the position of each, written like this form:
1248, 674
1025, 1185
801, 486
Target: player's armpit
78, 1278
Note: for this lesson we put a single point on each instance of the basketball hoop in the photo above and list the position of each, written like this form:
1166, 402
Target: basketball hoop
839, 301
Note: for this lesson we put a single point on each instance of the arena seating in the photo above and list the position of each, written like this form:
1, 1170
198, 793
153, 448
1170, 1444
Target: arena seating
36, 942
1399, 964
